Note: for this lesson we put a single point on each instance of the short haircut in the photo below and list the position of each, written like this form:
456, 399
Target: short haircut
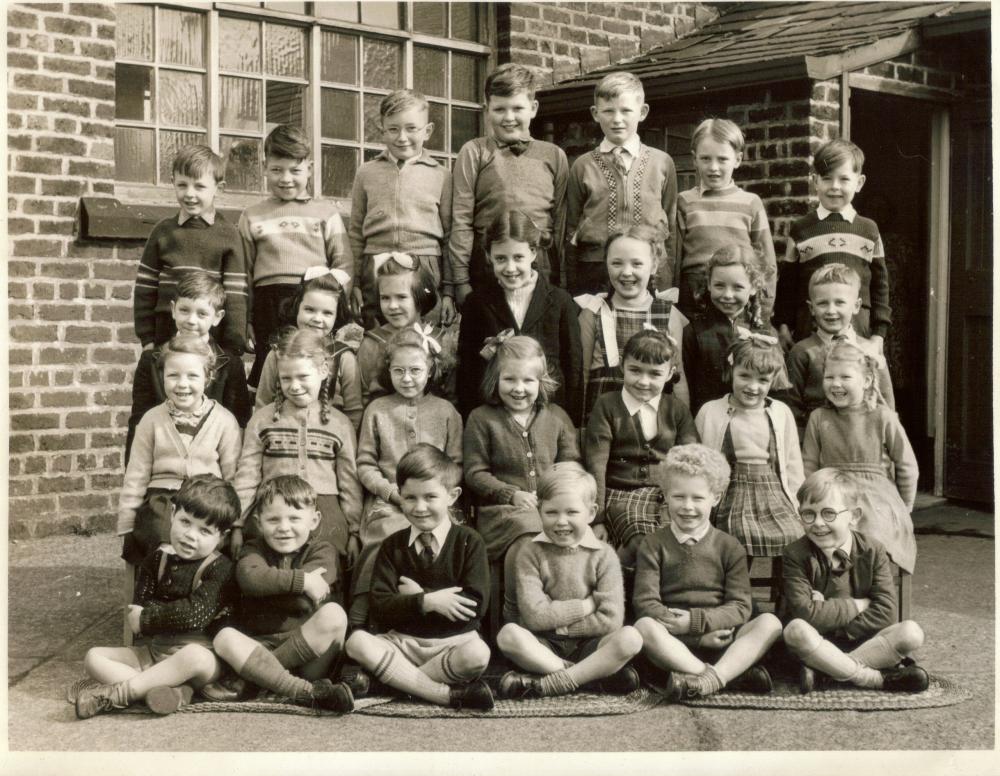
195, 284
513, 225
326, 284
292, 489
835, 273
754, 354
567, 476
209, 498
426, 462
817, 486
407, 338
520, 348
196, 160
509, 80
832, 155
401, 100
650, 347
422, 289
288, 141
616, 84
721, 131
187, 344
696, 460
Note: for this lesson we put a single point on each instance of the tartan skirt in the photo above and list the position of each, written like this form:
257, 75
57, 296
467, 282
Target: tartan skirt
632, 513
756, 511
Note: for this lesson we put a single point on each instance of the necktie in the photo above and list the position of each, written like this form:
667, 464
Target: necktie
844, 558
518, 147
835, 217
619, 154
400, 163
690, 542
426, 551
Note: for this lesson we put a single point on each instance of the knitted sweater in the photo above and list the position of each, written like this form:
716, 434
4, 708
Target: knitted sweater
551, 584
169, 604
173, 248
461, 562
284, 238
709, 579
160, 459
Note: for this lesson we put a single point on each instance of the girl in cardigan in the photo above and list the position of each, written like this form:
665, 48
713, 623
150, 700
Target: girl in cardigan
186, 435
321, 304
301, 433
860, 434
758, 437
393, 425
608, 320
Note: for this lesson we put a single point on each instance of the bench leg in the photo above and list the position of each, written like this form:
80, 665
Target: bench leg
128, 593
904, 592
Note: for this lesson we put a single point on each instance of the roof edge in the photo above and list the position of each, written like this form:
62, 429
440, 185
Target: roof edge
833, 65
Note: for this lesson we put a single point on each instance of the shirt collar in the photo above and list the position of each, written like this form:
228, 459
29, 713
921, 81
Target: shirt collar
698, 535
631, 145
633, 405
440, 533
848, 213
849, 333
847, 546
589, 539
424, 158
208, 217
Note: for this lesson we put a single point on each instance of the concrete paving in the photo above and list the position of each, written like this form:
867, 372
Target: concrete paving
65, 597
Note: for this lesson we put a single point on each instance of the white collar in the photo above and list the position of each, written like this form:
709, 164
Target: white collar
849, 213
849, 333
440, 533
589, 540
208, 217
632, 145
633, 405
697, 535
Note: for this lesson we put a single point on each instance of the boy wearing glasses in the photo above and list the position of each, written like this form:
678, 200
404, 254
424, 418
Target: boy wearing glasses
401, 200
839, 598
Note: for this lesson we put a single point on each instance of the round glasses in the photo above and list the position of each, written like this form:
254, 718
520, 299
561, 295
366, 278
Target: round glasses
399, 372
808, 516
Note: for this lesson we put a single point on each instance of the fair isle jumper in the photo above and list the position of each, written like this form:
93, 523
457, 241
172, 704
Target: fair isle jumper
172, 602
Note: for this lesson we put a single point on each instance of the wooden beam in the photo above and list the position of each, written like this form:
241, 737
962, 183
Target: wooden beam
875, 83
822, 68
845, 106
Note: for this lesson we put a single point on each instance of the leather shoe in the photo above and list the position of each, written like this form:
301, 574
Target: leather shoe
517, 686
755, 679
910, 678
807, 679
473, 695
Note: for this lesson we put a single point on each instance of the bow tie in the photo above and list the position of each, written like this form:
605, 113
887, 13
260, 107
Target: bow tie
518, 147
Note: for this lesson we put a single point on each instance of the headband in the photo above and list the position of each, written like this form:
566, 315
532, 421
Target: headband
745, 334
402, 259
319, 271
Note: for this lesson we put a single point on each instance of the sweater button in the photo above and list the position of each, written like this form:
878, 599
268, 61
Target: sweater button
524, 434
528, 454
531, 473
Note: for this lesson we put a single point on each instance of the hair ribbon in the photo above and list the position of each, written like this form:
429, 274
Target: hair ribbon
319, 271
430, 345
490, 344
765, 339
402, 259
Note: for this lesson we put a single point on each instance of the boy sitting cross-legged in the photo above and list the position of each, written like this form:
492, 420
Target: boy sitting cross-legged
428, 593
565, 616
840, 597
692, 588
286, 620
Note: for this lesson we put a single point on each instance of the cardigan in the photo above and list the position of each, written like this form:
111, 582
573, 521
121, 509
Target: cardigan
552, 320
617, 454
320, 453
710, 579
171, 603
805, 568
160, 459
714, 418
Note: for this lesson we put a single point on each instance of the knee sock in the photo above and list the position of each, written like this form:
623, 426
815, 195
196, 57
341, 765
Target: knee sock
121, 696
264, 669
877, 652
558, 683
294, 651
439, 668
396, 671
843, 668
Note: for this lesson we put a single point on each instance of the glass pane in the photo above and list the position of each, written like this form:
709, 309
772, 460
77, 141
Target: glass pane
431, 18
340, 58
288, 7
465, 77
285, 50
381, 14
134, 155
133, 93
347, 12
239, 103
465, 21
239, 45
181, 36
383, 64
134, 33
464, 127
243, 156
373, 130
339, 114
438, 114
370, 153
182, 98
286, 104
339, 167
444, 161
170, 144
430, 71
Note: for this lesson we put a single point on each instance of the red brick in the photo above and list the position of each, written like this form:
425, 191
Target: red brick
16, 226
553, 14
19, 143
33, 421
102, 188
116, 397
60, 484
106, 481
88, 419
92, 129
56, 227
35, 82
20, 184
84, 503
22, 487
122, 292
38, 379
35, 464
66, 146
525, 10
66, 126
105, 439
38, 207
65, 46
113, 356
23, 61
118, 314
38, 122
116, 375
21, 20
126, 335
21, 401
50, 443
64, 379
73, 66
21, 443
68, 291
102, 52
20, 356
92, 169
38, 42
64, 399
67, 270
63, 356
67, 105
38, 164
94, 291
41, 290
92, 10
105, 32
30, 508
111, 460
99, 90
60, 464
73, 27
66, 209
34, 333
15, 379
113, 270
85, 334
62, 312
86, 462
38, 247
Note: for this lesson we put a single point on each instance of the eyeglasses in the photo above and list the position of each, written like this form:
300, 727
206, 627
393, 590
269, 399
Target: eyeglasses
397, 131
808, 516
399, 372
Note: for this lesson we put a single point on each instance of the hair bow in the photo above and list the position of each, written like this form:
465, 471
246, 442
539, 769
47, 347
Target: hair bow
490, 344
319, 271
427, 342
402, 259
765, 339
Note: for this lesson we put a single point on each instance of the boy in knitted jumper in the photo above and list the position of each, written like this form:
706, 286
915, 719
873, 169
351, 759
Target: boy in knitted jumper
565, 616
692, 588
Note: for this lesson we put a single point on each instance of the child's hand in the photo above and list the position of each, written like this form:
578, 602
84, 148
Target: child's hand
879, 342
524, 500
462, 291
785, 337
601, 532
133, 618
315, 586
353, 549
395, 499
235, 542
817, 596
862, 604
356, 301
717, 639
681, 622
147, 346
589, 605
448, 603
448, 311
408, 587
250, 340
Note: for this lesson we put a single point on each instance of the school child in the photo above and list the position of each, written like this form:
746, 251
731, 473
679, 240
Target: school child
520, 301
609, 319
718, 213
834, 300
196, 308
692, 589
181, 593
621, 183
187, 434
757, 436
429, 593
286, 234
628, 435
860, 435
301, 433
197, 238
394, 425
565, 619
506, 170
834, 232
320, 304
839, 598
289, 627
511, 441
401, 200
730, 301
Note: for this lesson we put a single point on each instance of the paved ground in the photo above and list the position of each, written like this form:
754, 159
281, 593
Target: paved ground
64, 598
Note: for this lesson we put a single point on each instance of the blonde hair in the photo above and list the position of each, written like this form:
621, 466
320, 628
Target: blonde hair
818, 485
616, 84
520, 348
187, 344
835, 273
695, 460
567, 476
848, 353
312, 345
721, 131
740, 256
753, 354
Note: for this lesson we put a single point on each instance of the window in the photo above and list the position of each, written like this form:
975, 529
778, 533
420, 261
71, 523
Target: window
226, 75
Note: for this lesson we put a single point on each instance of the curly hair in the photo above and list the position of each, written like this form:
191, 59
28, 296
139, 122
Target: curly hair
406, 338
187, 344
695, 460
520, 348
758, 274
305, 343
848, 353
